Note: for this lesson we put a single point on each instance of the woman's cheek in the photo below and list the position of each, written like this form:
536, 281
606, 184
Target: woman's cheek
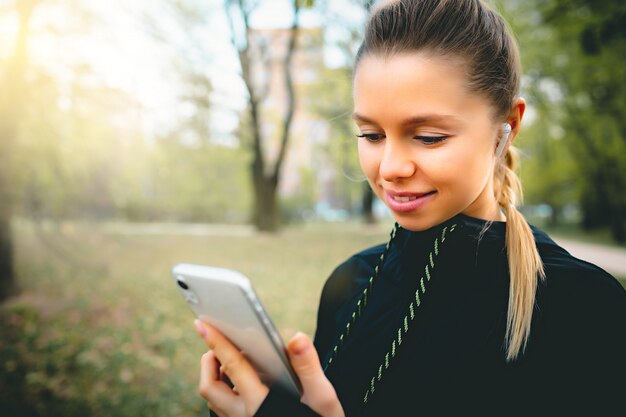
369, 160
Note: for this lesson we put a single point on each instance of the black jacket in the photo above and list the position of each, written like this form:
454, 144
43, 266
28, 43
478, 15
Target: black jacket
451, 356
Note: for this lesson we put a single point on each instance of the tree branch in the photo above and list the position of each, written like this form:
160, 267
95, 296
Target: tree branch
290, 91
266, 63
243, 52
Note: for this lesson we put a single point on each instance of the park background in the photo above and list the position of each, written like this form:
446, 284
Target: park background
135, 135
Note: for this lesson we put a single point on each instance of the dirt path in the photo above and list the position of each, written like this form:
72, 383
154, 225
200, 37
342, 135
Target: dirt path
609, 258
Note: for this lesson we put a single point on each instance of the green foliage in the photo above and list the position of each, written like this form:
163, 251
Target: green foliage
73, 166
332, 102
547, 168
596, 119
294, 207
195, 183
78, 148
573, 52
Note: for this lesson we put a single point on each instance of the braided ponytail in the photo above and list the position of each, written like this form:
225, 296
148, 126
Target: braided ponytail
525, 265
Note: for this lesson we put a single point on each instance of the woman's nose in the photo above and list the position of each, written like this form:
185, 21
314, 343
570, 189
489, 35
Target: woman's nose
397, 162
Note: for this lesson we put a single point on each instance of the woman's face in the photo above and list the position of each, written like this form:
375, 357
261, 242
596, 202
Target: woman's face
428, 149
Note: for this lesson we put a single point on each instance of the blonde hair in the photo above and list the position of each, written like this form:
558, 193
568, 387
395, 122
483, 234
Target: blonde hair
525, 264
472, 30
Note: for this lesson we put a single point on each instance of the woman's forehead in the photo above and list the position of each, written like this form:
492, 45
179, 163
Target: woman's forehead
414, 86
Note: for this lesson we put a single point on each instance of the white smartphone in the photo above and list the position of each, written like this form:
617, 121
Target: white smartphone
226, 300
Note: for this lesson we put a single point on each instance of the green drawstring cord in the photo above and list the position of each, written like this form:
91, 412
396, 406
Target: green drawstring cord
408, 318
362, 301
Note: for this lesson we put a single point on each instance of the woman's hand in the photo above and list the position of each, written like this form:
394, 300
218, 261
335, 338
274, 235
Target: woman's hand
248, 393
317, 391
224, 359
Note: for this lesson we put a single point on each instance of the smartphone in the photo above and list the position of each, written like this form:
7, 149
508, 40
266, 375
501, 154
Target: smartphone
226, 300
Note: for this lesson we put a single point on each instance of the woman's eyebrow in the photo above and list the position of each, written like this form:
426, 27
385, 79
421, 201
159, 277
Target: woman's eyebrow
427, 118
359, 118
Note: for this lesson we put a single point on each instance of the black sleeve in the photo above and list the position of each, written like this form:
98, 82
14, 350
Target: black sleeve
587, 308
606, 343
278, 403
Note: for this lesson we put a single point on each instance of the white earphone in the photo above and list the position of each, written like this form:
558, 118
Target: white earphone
503, 140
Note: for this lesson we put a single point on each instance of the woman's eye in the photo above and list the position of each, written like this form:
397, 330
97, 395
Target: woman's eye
430, 140
372, 137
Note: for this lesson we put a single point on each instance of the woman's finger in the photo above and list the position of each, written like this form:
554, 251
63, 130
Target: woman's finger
239, 371
225, 378
318, 392
234, 364
220, 398
211, 388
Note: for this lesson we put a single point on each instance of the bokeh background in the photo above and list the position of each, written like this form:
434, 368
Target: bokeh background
135, 135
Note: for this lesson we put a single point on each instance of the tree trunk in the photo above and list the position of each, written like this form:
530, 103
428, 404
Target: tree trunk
265, 181
618, 229
7, 133
555, 215
7, 275
11, 106
7, 278
618, 222
368, 204
266, 216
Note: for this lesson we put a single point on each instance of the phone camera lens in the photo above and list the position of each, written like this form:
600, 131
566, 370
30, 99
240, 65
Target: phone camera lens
182, 284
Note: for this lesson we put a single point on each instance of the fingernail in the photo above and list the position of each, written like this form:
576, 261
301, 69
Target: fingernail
200, 328
299, 344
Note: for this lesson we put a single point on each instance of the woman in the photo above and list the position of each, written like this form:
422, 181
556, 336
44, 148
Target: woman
467, 308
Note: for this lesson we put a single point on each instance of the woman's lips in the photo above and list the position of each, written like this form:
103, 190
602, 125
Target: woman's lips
405, 202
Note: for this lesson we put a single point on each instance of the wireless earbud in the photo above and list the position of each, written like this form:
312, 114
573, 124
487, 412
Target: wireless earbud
503, 140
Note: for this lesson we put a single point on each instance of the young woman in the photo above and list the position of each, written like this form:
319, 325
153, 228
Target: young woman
467, 308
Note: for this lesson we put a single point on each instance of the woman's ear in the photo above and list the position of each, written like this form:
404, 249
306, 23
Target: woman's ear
512, 126
515, 117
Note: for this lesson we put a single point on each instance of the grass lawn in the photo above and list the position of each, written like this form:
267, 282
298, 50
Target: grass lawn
99, 328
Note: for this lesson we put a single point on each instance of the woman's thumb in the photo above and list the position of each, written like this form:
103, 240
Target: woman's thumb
304, 359
318, 392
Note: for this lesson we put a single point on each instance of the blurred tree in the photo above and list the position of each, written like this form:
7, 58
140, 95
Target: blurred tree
199, 172
331, 99
190, 56
81, 150
197, 182
547, 167
72, 135
11, 107
265, 176
589, 69
572, 51
333, 102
